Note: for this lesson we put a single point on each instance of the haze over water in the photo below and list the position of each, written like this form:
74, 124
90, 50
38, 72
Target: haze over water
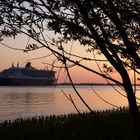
18, 102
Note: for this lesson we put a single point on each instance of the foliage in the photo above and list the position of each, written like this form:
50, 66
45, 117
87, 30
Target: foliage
73, 126
115, 24
110, 26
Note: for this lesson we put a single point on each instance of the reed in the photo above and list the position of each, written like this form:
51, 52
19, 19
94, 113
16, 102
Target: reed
105, 125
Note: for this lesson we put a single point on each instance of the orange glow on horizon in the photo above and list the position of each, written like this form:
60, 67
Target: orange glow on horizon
79, 75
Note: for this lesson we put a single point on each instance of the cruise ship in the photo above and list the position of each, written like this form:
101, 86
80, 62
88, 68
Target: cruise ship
27, 76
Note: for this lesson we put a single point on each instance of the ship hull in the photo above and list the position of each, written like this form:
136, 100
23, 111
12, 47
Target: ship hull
26, 82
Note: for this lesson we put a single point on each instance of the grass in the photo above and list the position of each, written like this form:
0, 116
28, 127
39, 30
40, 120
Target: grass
105, 125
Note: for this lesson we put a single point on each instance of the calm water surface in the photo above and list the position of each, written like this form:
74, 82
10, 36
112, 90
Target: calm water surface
18, 102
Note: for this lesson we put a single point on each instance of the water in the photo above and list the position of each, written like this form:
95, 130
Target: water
25, 102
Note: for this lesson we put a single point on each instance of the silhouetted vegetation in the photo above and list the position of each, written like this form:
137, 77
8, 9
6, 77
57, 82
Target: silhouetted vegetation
73, 126
107, 27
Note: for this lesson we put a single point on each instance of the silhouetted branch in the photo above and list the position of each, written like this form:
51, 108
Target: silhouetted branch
71, 100
37, 58
104, 99
13, 48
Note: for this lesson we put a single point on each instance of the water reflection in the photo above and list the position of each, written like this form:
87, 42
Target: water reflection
33, 101
25, 101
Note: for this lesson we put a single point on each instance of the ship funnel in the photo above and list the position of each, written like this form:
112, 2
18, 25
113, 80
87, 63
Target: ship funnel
13, 65
17, 64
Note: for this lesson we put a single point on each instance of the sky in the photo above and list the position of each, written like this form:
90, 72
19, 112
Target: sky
79, 75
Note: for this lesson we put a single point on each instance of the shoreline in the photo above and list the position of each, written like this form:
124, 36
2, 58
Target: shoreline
83, 126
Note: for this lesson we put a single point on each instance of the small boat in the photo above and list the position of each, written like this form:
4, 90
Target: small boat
27, 76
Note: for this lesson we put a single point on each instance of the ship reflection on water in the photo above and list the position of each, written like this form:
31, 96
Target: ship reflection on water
25, 101
28, 101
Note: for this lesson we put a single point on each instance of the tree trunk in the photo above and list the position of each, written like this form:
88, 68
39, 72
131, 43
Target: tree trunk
133, 108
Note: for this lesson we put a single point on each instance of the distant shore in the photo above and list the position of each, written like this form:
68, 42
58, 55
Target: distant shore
86, 84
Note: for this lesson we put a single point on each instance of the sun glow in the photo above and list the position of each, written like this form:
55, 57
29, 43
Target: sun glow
38, 59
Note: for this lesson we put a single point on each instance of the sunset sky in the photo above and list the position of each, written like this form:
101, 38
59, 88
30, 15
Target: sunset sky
79, 75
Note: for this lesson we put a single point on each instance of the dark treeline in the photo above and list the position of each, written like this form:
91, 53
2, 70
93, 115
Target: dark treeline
73, 126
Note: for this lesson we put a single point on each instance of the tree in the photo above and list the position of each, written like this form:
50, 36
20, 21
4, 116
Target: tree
111, 27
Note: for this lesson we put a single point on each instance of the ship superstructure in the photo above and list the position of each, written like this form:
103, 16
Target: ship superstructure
27, 76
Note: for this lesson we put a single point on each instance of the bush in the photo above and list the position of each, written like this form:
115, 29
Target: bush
101, 125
